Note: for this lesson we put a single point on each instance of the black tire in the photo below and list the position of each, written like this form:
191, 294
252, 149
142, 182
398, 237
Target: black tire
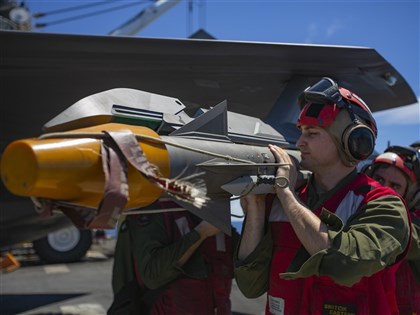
63, 246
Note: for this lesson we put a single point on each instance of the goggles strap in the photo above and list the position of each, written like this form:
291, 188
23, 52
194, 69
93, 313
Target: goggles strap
347, 105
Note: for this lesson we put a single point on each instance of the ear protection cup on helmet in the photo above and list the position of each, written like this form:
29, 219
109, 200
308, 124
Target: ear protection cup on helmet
358, 141
359, 137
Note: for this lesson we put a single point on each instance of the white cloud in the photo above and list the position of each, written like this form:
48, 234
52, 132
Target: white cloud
312, 33
405, 115
315, 32
333, 28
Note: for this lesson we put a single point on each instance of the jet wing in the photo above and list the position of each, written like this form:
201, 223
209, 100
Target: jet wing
43, 74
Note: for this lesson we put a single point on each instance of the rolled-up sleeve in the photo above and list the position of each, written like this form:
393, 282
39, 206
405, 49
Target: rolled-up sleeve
156, 260
369, 241
252, 273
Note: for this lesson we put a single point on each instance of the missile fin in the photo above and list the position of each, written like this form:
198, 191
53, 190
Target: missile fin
211, 124
253, 184
215, 211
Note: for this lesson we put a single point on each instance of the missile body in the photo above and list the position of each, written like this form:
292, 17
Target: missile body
226, 153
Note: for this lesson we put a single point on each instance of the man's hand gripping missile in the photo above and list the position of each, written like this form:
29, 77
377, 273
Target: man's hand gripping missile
286, 178
287, 170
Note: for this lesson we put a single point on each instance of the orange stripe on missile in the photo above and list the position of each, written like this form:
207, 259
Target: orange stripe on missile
70, 169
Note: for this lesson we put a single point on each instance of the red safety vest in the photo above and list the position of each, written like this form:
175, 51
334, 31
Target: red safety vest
210, 295
321, 295
408, 288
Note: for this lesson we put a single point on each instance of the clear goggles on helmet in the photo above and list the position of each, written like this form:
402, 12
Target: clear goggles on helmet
326, 91
411, 159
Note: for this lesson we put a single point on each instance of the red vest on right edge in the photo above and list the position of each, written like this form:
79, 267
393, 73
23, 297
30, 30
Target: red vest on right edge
408, 288
321, 295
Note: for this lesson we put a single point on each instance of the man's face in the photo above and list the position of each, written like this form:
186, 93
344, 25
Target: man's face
391, 176
317, 148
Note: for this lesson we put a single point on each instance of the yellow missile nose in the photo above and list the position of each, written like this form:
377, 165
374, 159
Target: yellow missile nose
18, 171
52, 168
70, 169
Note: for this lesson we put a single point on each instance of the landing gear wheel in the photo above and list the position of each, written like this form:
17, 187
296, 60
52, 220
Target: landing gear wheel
63, 246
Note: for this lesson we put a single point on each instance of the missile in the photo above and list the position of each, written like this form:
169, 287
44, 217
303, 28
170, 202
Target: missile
123, 149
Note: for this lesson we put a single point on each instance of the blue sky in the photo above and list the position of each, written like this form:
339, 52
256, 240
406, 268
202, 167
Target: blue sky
390, 27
